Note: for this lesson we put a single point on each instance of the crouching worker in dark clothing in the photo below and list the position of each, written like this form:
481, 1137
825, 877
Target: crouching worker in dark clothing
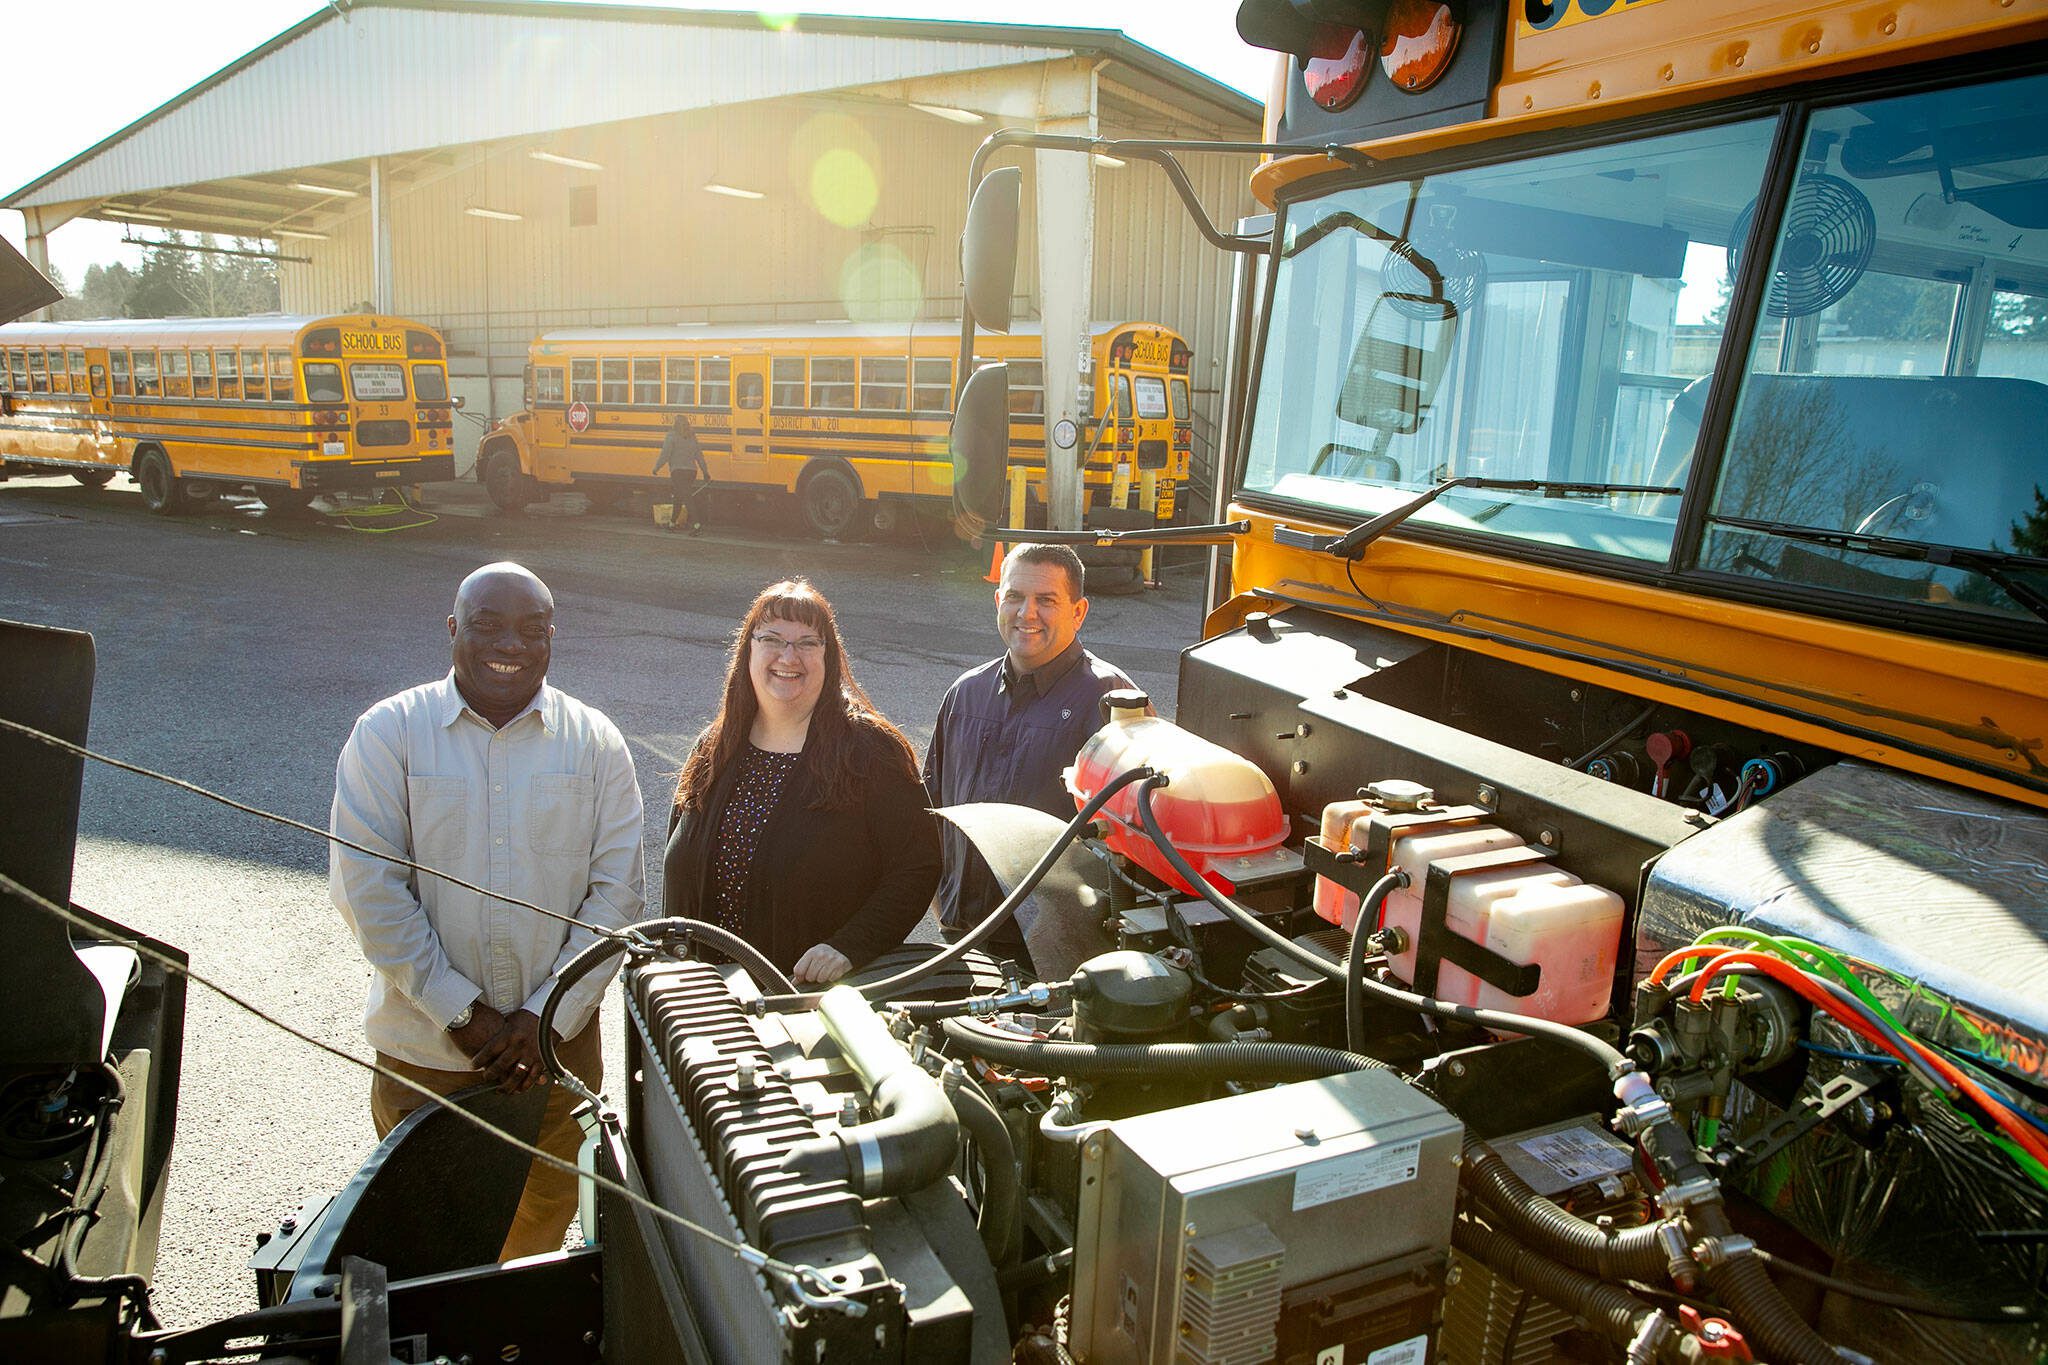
800, 822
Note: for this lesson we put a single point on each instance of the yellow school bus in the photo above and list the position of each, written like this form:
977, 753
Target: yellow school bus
1637, 481
289, 407
847, 420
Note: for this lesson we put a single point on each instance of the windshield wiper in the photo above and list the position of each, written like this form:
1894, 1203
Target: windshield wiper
1995, 565
1351, 545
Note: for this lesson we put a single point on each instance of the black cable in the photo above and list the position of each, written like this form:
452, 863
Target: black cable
980, 933
1617, 737
1206, 1061
80, 751
1904, 1303
1354, 961
94, 1171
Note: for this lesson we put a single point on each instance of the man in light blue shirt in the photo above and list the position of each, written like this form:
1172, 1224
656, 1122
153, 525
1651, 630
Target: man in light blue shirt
496, 778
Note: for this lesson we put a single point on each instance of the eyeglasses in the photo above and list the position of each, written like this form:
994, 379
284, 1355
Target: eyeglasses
770, 643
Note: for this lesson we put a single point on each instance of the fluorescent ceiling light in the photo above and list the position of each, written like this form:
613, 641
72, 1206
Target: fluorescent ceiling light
144, 214
496, 215
300, 232
948, 112
1113, 163
732, 191
325, 189
558, 159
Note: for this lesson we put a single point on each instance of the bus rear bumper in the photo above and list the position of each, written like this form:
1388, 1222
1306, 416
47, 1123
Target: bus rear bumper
325, 476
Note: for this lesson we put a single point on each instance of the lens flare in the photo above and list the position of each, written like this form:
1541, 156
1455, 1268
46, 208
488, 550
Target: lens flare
877, 283
843, 187
777, 20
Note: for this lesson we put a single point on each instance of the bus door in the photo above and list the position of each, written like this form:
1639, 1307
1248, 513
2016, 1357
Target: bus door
749, 418
99, 406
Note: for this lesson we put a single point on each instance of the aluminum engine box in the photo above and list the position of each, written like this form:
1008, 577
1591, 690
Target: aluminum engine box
1196, 1223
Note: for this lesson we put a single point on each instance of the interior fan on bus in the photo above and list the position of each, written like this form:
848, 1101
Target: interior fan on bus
1431, 278
1828, 235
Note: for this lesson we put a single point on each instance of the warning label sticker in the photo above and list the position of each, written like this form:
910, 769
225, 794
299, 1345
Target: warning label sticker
1576, 1154
1341, 1177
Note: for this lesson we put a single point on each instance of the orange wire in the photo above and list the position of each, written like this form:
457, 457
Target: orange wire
1672, 959
2025, 1135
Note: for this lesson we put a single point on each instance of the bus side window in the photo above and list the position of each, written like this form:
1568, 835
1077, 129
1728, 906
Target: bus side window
230, 377
617, 387
1124, 407
323, 382
146, 385
933, 390
15, 367
1179, 388
60, 378
38, 377
786, 383
714, 382
280, 375
252, 375
647, 381
202, 373
177, 374
583, 380
547, 384
123, 386
747, 393
77, 360
882, 383
832, 382
682, 381
1027, 388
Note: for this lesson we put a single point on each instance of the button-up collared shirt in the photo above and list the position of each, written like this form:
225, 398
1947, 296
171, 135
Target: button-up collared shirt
1007, 736
546, 808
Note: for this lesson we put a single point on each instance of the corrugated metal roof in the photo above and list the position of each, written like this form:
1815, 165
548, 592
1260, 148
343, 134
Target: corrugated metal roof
387, 77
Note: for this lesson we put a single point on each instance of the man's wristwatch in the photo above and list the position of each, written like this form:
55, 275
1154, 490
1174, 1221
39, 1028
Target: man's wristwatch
461, 1020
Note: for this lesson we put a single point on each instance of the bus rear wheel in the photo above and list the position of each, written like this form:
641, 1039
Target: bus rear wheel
93, 478
831, 503
162, 491
504, 482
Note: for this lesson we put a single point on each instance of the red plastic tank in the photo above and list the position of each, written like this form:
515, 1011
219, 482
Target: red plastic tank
1217, 806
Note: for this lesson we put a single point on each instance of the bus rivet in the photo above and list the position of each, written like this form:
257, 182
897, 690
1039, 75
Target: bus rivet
1813, 41
1593, 91
1667, 73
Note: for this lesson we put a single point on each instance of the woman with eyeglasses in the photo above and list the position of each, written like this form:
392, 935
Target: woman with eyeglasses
800, 820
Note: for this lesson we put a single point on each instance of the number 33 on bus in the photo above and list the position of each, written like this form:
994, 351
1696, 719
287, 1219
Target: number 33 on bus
288, 407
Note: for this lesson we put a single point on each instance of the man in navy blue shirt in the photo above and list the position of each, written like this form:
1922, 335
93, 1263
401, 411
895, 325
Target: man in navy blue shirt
1008, 728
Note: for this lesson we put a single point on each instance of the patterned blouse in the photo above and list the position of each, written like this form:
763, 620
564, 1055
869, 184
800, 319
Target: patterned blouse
754, 797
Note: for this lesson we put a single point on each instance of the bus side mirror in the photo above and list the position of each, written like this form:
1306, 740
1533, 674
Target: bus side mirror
980, 442
457, 401
988, 247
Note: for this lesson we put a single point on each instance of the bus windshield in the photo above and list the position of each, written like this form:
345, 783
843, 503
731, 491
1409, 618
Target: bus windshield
1533, 320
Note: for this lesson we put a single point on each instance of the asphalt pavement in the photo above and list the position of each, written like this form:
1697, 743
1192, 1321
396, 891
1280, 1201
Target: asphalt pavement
235, 650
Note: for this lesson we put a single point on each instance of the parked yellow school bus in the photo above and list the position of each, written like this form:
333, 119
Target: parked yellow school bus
287, 406
847, 420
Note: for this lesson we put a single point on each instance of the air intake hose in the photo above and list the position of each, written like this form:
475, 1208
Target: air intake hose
915, 1138
1200, 1061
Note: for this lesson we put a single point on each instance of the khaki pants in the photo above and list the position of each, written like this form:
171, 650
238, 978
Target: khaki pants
549, 1201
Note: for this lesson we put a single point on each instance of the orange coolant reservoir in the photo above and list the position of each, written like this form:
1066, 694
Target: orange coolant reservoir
1531, 912
1217, 809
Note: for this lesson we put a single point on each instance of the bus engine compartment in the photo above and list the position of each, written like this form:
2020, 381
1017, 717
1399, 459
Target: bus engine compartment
1178, 1141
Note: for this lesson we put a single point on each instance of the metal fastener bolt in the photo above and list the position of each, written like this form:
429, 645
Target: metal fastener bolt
288, 1225
1457, 1068
1189, 1229
1300, 765
1547, 838
1452, 1275
1301, 731
509, 1352
1488, 795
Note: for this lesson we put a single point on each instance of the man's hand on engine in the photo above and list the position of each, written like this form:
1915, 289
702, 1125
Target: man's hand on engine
821, 965
512, 1057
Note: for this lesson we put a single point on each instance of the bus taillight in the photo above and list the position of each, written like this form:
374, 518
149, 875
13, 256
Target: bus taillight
323, 341
422, 346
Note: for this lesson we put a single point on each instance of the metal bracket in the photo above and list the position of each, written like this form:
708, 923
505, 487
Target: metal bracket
1854, 1082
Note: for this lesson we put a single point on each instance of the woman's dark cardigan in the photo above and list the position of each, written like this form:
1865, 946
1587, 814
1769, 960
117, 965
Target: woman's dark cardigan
857, 878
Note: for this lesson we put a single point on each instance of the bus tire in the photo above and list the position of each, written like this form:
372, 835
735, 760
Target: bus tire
505, 483
831, 503
93, 478
163, 493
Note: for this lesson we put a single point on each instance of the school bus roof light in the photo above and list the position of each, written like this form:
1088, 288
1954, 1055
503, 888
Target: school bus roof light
323, 341
1418, 41
1336, 70
422, 346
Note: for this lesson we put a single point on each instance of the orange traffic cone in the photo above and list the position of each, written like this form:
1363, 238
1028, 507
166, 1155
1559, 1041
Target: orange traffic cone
995, 564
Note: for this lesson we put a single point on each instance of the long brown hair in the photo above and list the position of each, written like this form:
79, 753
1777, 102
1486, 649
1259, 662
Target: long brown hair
847, 734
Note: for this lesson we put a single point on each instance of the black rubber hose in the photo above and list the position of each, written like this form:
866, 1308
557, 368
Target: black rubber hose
1774, 1328
1198, 1061
1613, 1061
1615, 1311
916, 1137
96, 1169
1000, 1181
602, 951
1609, 1253
980, 933
1354, 961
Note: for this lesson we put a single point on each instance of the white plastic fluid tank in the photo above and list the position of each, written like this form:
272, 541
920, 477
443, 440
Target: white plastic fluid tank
1532, 913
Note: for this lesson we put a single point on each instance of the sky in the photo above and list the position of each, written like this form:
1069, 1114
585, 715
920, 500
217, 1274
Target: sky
145, 52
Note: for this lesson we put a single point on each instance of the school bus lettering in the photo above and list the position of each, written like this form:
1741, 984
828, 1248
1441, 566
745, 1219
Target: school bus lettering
372, 343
